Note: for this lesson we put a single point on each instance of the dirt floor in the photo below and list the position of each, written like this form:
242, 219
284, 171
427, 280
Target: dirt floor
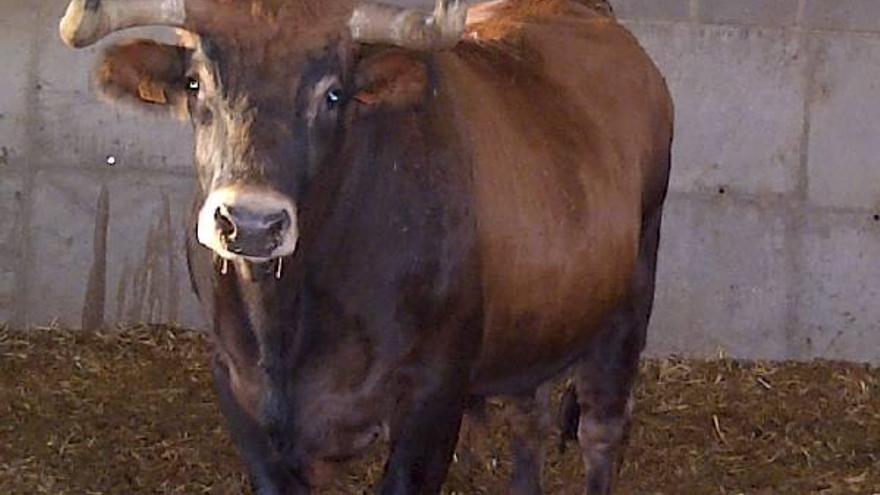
134, 413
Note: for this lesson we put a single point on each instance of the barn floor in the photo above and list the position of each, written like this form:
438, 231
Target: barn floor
134, 413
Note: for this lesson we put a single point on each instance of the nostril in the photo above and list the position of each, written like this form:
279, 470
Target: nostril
278, 223
224, 223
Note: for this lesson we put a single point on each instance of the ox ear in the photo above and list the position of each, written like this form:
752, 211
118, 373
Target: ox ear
392, 78
145, 74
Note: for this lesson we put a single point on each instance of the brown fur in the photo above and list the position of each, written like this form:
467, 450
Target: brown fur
572, 92
395, 78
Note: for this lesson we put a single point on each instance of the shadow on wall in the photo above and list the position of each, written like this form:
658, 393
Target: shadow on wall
148, 285
121, 252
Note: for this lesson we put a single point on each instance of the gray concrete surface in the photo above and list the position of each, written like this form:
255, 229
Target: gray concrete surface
769, 244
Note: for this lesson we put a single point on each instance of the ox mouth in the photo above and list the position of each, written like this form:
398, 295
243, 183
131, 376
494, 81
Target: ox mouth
251, 269
253, 250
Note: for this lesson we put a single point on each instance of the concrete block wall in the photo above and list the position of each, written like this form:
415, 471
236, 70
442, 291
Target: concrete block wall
771, 232
68, 220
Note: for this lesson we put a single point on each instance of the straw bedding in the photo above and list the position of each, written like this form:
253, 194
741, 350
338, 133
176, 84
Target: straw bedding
133, 412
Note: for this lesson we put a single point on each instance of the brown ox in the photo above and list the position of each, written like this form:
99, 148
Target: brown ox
399, 215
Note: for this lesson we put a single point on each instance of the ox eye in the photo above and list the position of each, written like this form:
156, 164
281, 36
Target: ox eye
334, 98
193, 85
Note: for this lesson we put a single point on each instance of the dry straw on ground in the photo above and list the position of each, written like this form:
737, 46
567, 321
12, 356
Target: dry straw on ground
133, 412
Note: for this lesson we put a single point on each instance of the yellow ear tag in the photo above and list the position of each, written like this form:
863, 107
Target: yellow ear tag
151, 92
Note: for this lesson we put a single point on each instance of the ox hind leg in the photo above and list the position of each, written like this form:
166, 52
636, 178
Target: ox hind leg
603, 383
604, 378
530, 422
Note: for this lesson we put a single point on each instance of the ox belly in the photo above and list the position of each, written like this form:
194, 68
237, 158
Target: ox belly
541, 316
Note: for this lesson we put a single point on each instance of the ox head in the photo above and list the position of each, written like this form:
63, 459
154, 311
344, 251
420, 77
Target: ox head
271, 88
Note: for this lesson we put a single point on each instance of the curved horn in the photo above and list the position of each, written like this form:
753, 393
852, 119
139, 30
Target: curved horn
87, 21
378, 23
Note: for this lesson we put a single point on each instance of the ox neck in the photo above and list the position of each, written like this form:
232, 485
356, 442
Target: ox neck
253, 315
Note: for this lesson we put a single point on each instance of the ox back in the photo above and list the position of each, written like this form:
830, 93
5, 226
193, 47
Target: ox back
463, 215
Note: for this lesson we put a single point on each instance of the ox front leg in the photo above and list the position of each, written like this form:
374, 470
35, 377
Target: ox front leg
267, 475
423, 437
